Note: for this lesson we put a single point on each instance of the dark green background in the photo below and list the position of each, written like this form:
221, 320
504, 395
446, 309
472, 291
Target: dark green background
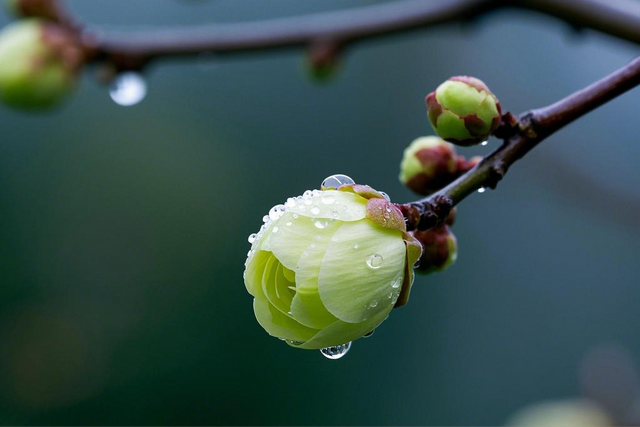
123, 232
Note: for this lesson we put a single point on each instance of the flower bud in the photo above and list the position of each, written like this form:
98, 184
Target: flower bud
562, 413
48, 9
463, 111
328, 267
439, 248
323, 61
39, 64
428, 164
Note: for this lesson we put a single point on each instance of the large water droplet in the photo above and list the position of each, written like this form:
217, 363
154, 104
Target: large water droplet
336, 181
375, 261
336, 351
481, 190
128, 89
385, 195
252, 238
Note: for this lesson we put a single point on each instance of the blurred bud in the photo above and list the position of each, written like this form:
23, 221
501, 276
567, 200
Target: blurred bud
428, 164
562, 413
323, 60
48, 9
39, 64
463, 165
463, 111
439, 248
328, 267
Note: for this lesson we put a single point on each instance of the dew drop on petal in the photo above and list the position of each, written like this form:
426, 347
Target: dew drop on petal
274, 230
374, 303
327, 199
128, 89
335, 181
252, 238
336, 351
481, 190
276, 212
396, 283
368, 334
319, 223
385, 195
356, 246
375, 260
295, 215
288, 224
315, 210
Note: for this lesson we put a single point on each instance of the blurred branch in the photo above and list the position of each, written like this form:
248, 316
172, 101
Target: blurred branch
133, 50
520, 136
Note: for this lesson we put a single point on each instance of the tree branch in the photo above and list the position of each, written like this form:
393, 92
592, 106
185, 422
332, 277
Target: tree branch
531, 128
132, 50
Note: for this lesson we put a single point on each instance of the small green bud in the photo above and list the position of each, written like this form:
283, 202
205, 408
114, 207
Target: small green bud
562, 413
463, 111
428, 164
328, 267
39, 64
439, 248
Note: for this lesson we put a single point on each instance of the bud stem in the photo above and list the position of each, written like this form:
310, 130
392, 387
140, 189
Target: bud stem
532, 128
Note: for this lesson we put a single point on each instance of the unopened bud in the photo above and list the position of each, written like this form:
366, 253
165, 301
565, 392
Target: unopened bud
463, 111
439, 248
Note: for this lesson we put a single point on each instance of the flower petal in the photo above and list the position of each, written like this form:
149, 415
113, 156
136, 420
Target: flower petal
341, 332
414, 251
294, 236
278, 324
254, 271
360, 270
331, 204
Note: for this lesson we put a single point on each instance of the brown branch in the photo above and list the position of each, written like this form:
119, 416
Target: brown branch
131, 50
531, 128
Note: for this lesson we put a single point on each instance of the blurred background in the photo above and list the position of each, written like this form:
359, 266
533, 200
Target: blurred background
123, 231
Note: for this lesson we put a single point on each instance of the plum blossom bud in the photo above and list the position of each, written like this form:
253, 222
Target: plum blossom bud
328, 267
463, 111
39, 64
430, 163
439, 248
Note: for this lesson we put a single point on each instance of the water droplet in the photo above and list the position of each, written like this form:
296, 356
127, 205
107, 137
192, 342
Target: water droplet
276, 212
396, 283
128, 89
336, 351
291, 203
375, 261
328, 200
252, 238
308, 201
368, 334
481, 190
335, 181
374, 303
484, 143
335, 215
356, 246
265, 218
292, 342
289, 223
274, 230
319, 223
295, 215
315, 210
385, 195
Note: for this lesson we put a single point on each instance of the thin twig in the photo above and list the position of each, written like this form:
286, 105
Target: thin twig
532, 128
620, 18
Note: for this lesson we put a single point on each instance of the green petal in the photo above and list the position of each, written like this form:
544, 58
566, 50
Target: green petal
451, 126
459, 97
278, 324
350, 288
275, 286
253, 272
331, 204
307, 307
341, 332
414, 251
